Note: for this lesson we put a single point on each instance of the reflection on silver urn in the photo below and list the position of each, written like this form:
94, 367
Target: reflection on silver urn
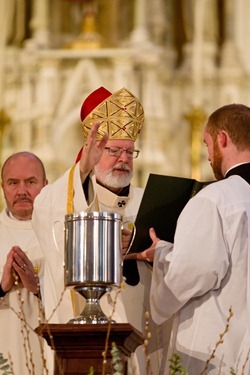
93, 260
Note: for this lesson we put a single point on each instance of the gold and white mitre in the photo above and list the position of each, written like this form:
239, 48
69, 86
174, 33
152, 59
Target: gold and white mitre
121, 114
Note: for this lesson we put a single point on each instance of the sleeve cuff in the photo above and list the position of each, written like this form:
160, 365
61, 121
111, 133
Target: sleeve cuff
2, 293
38, 295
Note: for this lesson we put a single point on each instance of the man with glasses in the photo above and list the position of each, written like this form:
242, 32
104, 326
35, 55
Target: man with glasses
101, 181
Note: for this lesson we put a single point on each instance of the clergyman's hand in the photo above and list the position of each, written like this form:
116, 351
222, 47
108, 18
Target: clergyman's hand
149, 253
8, 278
25, 270
92, 151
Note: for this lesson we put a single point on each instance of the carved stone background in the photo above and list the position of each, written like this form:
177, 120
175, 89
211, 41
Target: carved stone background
180, 57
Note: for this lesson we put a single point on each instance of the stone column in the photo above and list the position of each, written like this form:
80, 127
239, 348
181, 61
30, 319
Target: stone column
154, 134
124, 73
6, 16
39, 23
229, 56
47, 93
231, 73
242, 31
25, 107
140, 31
209, 35
158, 20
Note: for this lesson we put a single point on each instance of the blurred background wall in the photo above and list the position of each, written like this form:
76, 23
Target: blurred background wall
182, 58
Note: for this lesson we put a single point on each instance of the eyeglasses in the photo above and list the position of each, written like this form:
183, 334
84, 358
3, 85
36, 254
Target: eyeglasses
118, 151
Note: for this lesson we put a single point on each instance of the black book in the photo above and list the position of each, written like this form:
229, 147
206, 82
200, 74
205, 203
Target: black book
163, 200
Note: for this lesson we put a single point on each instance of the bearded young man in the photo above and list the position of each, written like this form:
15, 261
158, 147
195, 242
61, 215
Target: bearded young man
206, 272
101, 181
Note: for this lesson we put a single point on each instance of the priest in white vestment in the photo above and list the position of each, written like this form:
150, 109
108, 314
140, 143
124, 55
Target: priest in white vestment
23, 176
100, 181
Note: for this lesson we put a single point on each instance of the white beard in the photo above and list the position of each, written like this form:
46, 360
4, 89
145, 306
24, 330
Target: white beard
111, 180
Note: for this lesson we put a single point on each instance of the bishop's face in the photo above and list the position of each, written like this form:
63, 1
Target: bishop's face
115, 172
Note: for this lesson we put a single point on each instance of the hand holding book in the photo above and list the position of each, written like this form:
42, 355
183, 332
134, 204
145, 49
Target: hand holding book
163, 200
147, 254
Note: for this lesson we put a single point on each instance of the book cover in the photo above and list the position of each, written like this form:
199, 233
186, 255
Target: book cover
163, 200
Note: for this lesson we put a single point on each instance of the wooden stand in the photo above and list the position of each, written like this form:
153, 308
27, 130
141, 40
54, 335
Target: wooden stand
78, 347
